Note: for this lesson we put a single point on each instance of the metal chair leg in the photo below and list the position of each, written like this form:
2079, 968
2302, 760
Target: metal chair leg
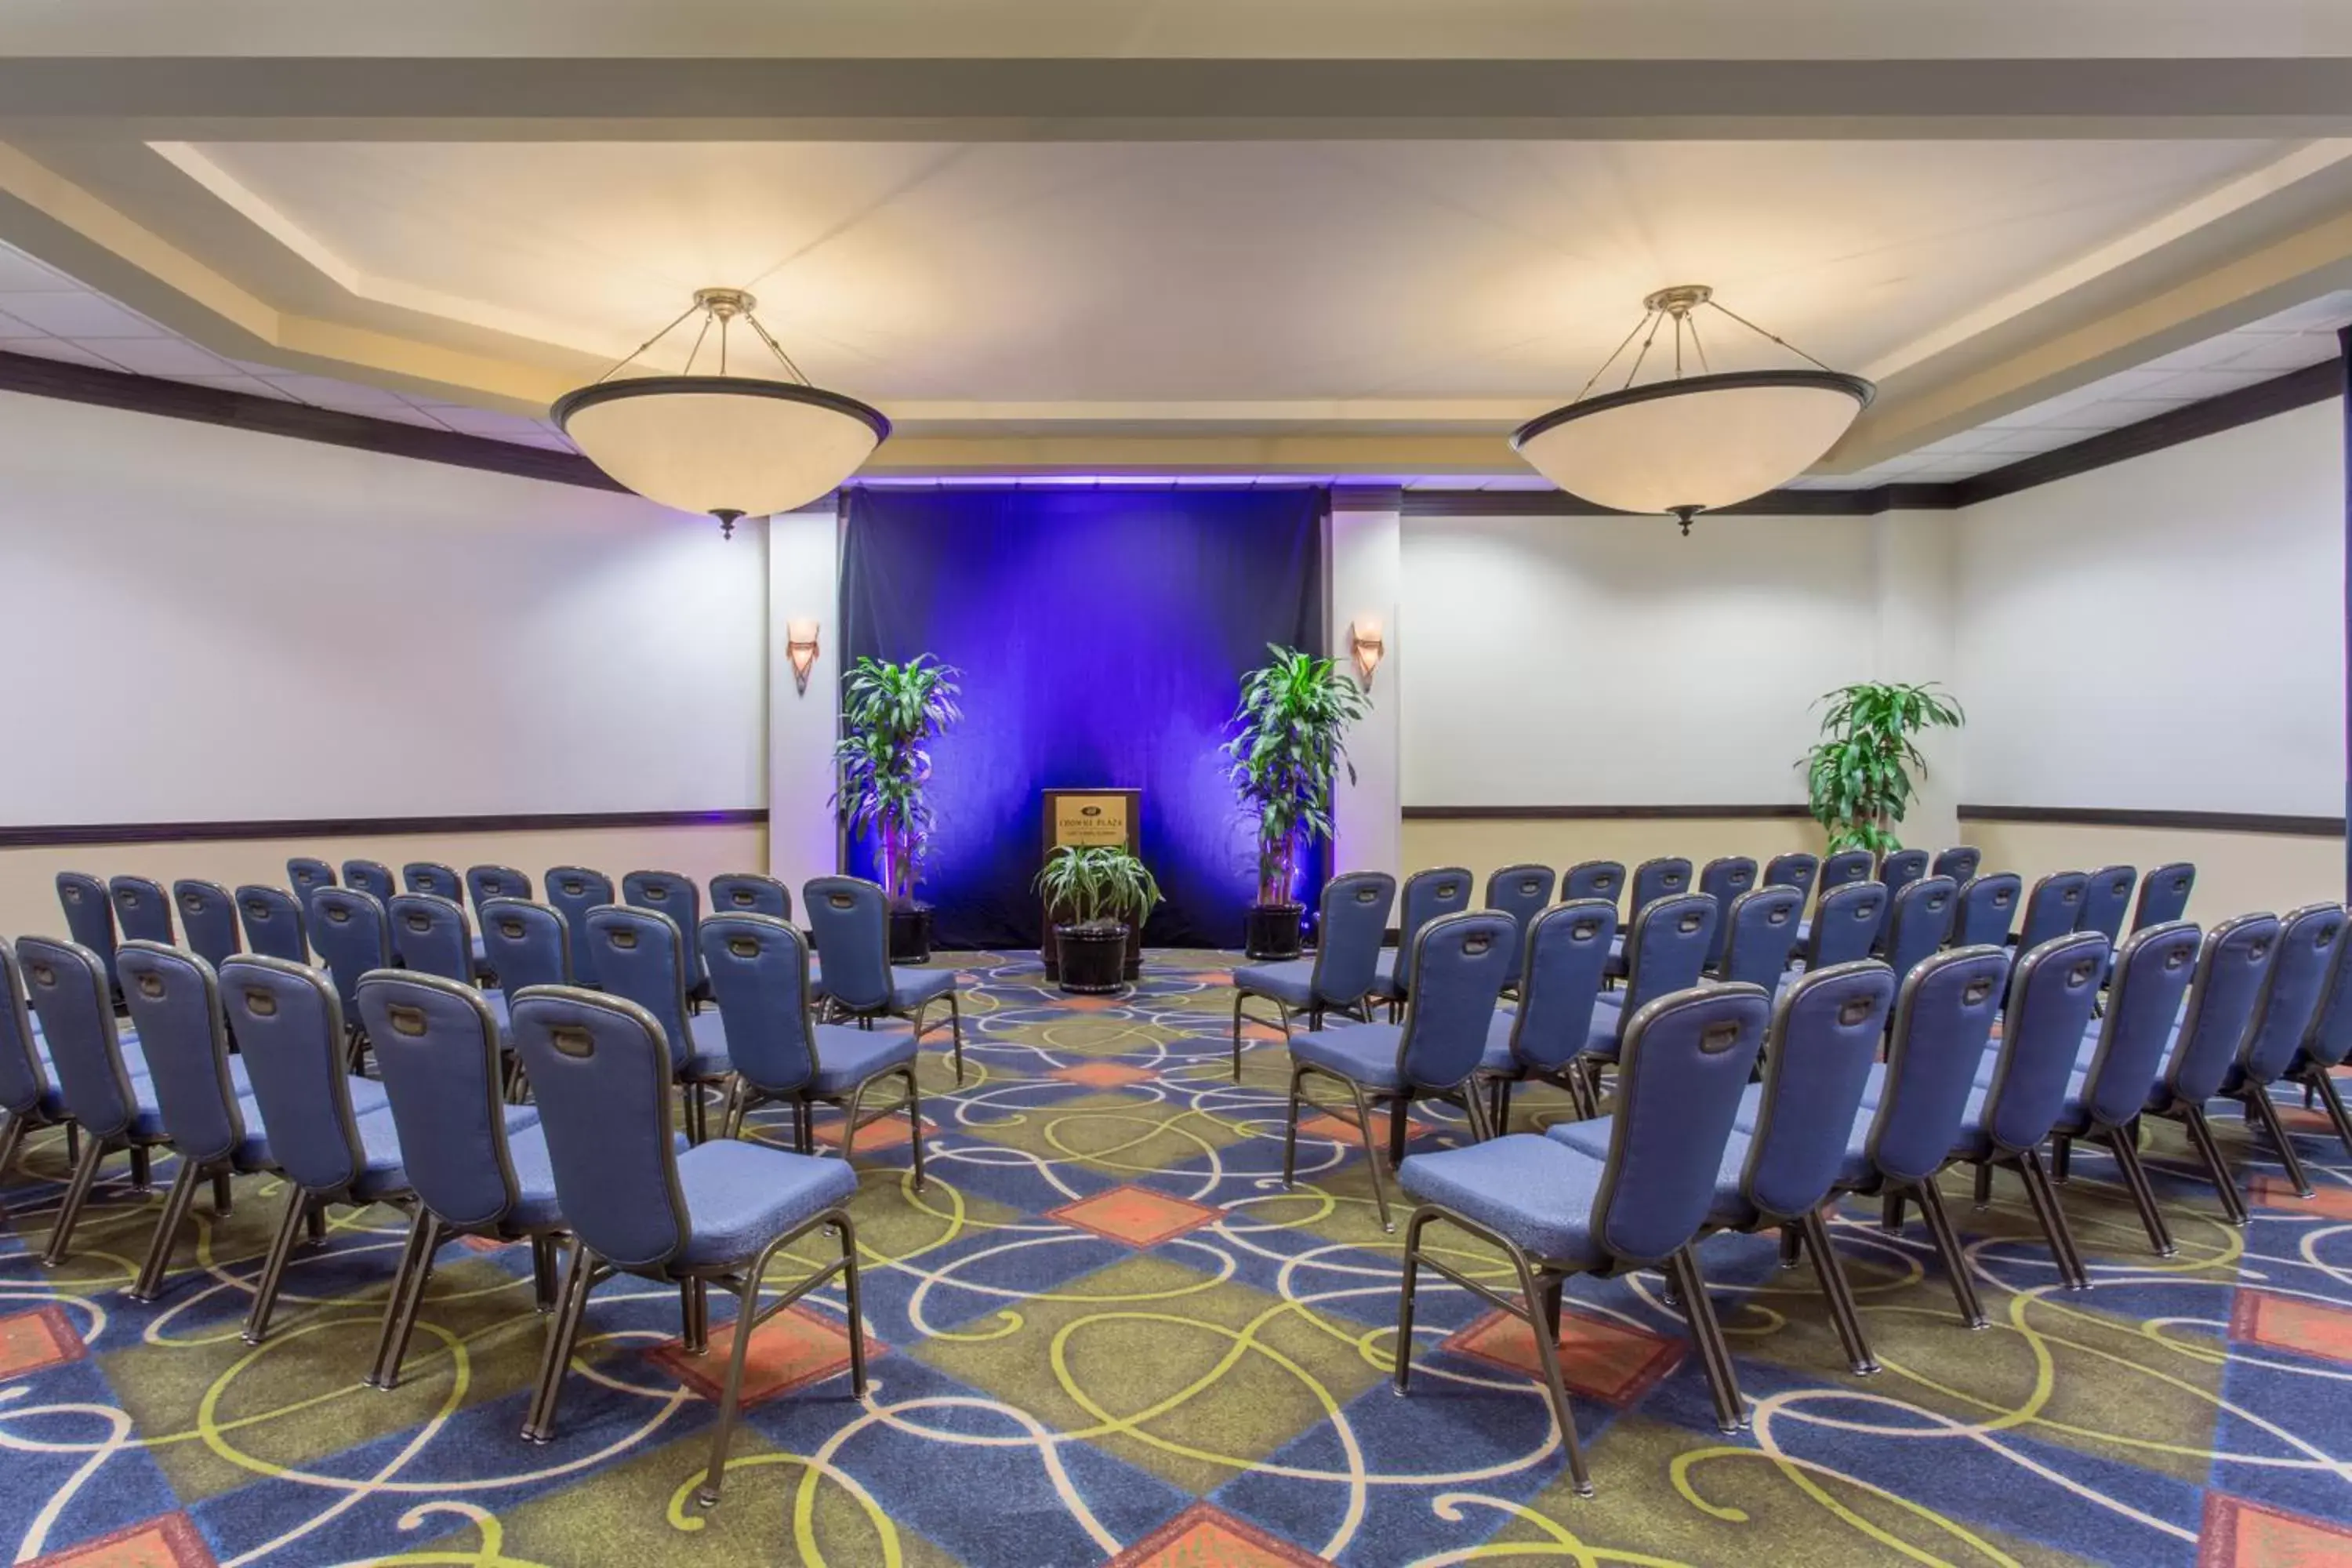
73, 1142
1402, 1375
2258, 1100
2225, 1186
85, 1175
1947, 1249
273, 1272
1793, 1245
2062, 1159
1983, 1194
539, 1425
224, 1194
1481, 1131
2044, 1199
914, 1122
1543, 1318
1890, 1211
849, 1126
2121, 1143
143, 1170
315, 1220
546, 1274
1371, 1153
853, 1301
12, 1141
2316, 1077
1398, 1123
693, 1309
955, 1033
1723, 1380
1836, 1289
167, 1230
746, 1309
1290, 1130
406, 1300
1239, 997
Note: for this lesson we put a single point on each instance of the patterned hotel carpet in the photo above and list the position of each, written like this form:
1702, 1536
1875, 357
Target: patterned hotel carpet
1107, 1333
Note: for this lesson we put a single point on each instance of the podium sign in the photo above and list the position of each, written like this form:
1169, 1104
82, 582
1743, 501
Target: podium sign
1088, 817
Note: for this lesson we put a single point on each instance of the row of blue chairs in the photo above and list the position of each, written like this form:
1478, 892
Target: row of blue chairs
1738, 1109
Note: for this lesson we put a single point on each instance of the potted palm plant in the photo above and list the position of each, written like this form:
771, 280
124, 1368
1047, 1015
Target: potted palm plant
1094, 894
1858, 775
890, 713
1287, 748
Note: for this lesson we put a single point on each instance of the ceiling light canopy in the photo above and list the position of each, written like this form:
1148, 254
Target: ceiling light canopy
1691, 444
732, 446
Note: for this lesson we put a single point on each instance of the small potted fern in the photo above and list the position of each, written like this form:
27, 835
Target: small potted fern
890, 714
1095, 895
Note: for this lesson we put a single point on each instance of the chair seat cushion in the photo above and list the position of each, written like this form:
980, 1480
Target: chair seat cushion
847, 1057
1385, 984
1588, 1137
1608, 1020
706, 1051
740, 1196
1290, 983
1534, 1191
1498, 1059
1362, 1053
911, 987
816, 975
382, 1172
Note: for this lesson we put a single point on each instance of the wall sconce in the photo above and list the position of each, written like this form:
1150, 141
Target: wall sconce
800, 647
1364, 642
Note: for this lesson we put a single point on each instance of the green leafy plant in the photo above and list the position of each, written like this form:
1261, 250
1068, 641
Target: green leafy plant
1287, 748
1096, 887
890, 713
1859, 773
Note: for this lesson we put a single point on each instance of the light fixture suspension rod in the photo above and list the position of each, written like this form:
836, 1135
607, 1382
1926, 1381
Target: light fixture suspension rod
1590, 380
1763, 333
777, 348
1658, 321
649, 343
696, 351
1705, 368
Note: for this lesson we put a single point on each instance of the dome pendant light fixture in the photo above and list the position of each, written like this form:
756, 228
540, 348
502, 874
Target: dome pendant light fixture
732, 446
1691, 444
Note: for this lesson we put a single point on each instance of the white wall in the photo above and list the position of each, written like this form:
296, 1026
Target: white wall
2166, 633
1573, 660
1366, 551
203, 623
803, 584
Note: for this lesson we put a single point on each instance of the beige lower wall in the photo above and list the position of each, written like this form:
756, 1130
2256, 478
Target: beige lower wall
2235, 871
28, 898
1485, 845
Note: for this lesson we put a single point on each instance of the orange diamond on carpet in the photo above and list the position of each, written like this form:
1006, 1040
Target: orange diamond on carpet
2283, 1322
44, 1337
1206, 1536
1136, 1216
1607, 1360
886, 1132
2241, 1534
1338, 1132
1103, 1075
1068, 1003
2329, 1201
791, 1349
170, 1541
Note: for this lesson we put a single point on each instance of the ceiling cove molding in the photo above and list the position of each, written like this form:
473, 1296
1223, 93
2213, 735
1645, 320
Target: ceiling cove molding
271, 416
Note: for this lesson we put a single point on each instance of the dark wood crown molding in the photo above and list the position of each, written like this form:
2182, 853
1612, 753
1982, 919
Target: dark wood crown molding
1600, 813
2173, 821
96, 833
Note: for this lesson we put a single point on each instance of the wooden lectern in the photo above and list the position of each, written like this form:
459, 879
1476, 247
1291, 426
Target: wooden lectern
1084, 816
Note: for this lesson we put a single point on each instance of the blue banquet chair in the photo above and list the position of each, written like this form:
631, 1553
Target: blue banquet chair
641, 955
114, 1106
851, 919
430, 932
526, 943
289, 1031
669, 893
759, 973
1724, 880
717, 1213
1592, 880
2327, 1045
1559, 984
1665, 953
1460, 964
2309, 940
28, 1095
571, 893
1667, 877
1987, 908
1763, 924
2051, 911
479, 1166
1428, 896
207, 918
1901, 868
432, 877
141, 909
89, 920
1959, 863
1846, 865
353, 936
1522, 893
2164, 894
306, 874
175, 1000
1555, 1211
1795, 869
1846, 923
371, 877
2106, 897
1339, 978
273, 921
2233, 965
1921, 922
484, 883
748, 893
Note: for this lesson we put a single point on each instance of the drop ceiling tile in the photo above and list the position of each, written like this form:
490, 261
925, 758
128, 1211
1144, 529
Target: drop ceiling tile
56, 349
78, 315
330, 393
2025, 443
2195, 385
171, 357
488, 422
251, 386
19, 273
2275, 354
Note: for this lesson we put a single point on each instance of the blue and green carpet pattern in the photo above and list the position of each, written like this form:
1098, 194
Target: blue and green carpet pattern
1108, 1332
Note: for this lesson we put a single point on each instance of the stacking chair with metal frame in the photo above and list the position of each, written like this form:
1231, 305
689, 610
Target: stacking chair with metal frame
1521, 893
432, 935
273, 923
1988, 908
717, 1213
433, 877
759, 973
571, 893
2110, 1088
1428, 896
1901, 868
2106, 899
1921, 922
174, 999
748, 893
641, 955
353, 936
1665, 953
1340, 977
1557, 1211
291, 1031
851, 919
373, 878
667, 893
141, 909
1846, 865
523, 944
1846, 923
484, 883
2233, 965
1666, 877
207, 918
2309, 940
1560, 983
28, 1095
1724, 880
89, 920
2327, 1045
1959, 863
115, 1109
2164, 894
1763, 926
1795, 869
479, 1167
1459, 965
306, 874
2050, 912
1603, 880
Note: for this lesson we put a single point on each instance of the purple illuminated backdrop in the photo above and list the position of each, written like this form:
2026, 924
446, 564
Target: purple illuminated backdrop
1102, 633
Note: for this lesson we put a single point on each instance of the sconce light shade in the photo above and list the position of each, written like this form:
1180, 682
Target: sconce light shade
800, 647
1367, 647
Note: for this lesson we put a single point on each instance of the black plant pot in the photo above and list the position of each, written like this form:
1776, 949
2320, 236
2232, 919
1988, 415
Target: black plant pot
1273, 932
1093, 958
910, 934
